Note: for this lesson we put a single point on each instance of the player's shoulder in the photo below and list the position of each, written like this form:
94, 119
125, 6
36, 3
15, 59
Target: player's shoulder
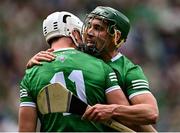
32, 70
126, 60
133, 71
129, 64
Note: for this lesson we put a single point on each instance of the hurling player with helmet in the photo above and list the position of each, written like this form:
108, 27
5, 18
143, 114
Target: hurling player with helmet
105, 29
97, 85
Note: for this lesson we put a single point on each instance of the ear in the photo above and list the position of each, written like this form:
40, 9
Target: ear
117, 36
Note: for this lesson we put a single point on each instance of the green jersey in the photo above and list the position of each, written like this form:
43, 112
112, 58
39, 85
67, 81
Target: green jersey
87, 77
130, 77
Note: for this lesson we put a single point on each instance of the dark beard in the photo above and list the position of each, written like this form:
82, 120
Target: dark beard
91, 50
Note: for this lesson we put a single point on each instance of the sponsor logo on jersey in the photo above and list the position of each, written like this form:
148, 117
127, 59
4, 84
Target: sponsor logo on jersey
62, 58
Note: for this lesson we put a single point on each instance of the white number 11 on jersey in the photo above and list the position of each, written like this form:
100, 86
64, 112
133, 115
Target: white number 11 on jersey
76, 76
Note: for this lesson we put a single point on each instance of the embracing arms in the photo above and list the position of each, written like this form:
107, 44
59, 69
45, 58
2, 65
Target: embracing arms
143, 111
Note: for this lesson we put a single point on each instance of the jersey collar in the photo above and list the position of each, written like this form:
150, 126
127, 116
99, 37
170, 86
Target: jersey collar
116, 57
62, 49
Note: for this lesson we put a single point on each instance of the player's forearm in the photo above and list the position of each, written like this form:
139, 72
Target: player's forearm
27, 120
141, 114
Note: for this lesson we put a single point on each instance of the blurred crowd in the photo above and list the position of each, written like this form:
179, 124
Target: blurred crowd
153, 43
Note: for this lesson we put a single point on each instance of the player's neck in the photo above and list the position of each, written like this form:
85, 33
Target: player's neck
63, 43
109, 55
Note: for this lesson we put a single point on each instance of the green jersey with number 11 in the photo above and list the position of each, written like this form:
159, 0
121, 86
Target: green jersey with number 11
87, 77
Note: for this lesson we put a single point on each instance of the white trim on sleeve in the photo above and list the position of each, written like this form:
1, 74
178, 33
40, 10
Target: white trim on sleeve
116, 87
138, 93
30, 104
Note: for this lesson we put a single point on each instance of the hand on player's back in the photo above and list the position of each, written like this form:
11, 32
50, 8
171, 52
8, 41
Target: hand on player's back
41, 56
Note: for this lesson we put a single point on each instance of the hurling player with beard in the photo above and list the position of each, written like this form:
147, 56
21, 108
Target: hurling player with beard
104, 31
97, 85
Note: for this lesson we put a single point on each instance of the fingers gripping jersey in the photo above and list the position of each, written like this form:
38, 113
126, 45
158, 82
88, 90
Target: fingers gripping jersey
87, 77
130, 77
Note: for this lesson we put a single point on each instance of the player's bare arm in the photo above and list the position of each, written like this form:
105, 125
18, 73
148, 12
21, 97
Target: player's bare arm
27, 119
139, 113
104, 112
100, 112
143, 111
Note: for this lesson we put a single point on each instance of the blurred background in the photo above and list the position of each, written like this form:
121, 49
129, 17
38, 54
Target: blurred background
153, 43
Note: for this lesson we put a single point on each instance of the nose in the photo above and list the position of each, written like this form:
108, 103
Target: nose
90, 32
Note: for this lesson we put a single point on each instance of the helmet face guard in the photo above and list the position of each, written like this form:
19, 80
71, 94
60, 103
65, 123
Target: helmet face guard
98, 43
115, 21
